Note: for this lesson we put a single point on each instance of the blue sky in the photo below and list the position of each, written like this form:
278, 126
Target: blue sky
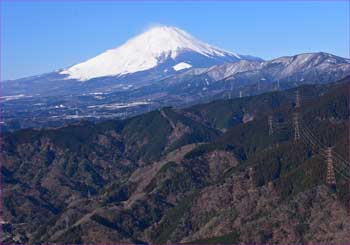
42, 36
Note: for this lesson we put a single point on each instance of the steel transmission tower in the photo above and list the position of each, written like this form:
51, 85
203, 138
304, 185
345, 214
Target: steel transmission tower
296, 126
297, 99
330, 179
270, 121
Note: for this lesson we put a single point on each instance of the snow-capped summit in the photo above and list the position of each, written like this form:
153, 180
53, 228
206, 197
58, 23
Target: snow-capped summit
163, 46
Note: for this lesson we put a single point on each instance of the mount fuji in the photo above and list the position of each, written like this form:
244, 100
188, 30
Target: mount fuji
159, 52
163, 48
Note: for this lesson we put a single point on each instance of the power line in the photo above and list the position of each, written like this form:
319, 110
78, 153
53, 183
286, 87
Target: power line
336, 163
324, 147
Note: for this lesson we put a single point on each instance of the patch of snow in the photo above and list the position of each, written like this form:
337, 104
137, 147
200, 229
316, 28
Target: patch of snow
98, 97
181, 66
127, 87
14, 97
114, 106
59, 106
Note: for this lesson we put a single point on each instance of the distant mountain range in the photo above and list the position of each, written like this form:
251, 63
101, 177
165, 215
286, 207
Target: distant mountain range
164, 66
167, 54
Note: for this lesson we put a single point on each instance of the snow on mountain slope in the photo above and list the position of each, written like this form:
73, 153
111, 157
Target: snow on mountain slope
181, 66
146, 51
302, 68
283, 67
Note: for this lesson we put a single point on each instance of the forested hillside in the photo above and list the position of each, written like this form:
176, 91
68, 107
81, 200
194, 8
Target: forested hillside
244, 170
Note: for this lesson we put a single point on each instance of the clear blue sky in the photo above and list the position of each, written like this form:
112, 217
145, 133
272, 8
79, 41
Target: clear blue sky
43, 36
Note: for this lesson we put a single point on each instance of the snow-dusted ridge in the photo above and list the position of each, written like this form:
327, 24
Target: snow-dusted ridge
143, 52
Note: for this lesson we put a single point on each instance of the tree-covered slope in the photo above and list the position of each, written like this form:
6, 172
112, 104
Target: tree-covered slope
211, 173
